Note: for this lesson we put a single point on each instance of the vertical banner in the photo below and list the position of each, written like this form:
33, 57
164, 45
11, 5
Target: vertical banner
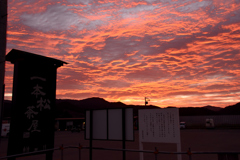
33, 103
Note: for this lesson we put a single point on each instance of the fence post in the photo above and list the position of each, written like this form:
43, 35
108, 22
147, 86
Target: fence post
156, 153
79, 150
189, 153
61, 148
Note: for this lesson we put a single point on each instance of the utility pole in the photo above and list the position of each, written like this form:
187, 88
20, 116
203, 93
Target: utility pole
3, 42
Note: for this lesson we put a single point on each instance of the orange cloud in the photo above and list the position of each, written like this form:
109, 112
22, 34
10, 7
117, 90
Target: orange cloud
176, 53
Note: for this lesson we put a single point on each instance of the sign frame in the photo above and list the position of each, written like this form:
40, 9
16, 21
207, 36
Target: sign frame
108, 124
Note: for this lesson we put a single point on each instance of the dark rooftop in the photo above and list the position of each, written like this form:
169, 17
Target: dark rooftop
17, 55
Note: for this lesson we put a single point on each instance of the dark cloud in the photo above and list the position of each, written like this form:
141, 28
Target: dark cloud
114, 84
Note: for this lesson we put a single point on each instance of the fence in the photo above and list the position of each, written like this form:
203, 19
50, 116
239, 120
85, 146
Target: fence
189, 153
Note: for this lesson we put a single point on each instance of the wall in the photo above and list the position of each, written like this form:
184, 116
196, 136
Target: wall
229, 121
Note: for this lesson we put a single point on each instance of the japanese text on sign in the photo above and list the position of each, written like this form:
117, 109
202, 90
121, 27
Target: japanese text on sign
41, 104
159, 125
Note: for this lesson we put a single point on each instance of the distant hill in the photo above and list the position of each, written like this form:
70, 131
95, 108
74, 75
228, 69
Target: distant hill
76, 108
231, 110
196, 111
67, 108
213, 108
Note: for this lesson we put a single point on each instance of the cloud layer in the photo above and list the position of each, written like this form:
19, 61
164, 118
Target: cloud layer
177, 53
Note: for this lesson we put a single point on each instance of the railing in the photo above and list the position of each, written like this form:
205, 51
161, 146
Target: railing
189, 153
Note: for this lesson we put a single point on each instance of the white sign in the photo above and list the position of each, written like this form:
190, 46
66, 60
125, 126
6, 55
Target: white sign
159, 126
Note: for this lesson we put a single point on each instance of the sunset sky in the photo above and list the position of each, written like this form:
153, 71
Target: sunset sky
175, 52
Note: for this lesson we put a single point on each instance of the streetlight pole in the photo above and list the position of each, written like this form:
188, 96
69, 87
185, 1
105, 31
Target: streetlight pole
3, 42
146, 101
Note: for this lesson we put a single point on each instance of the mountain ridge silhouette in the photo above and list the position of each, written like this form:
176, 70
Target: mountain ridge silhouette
69, 108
